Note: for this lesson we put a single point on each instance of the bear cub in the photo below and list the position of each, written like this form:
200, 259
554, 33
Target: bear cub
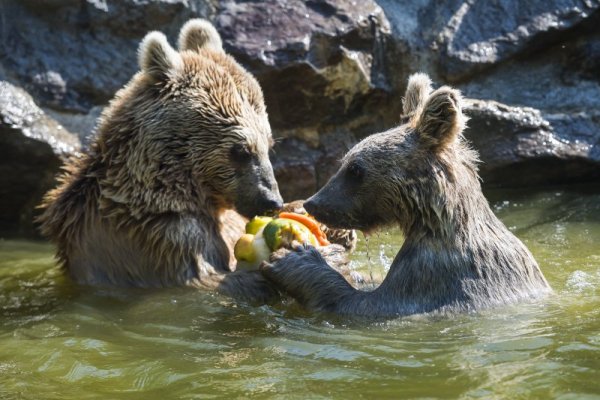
421, 176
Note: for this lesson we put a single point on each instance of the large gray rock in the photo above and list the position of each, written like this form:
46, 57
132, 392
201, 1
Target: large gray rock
565, 78
550, 133
479, 34
73, 54
545, 56
321, 63
521, 146
84, 125
32, 147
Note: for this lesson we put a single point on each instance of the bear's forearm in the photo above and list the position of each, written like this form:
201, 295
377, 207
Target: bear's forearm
248, 286
306, 276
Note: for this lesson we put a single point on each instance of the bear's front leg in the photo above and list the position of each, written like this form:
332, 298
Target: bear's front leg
250, 286
304, 274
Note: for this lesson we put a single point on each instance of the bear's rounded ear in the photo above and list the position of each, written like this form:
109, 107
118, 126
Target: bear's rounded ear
197, 34
157, 57
417, 91
441, 120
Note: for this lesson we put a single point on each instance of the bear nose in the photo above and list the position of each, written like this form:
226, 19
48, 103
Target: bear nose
273, 204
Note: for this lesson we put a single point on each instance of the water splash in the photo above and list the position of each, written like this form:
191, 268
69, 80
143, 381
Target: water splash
580, 281
385, 261
368, 253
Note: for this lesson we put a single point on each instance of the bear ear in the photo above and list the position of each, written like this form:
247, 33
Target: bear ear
157, 57
441, 120
197, 34
417, 91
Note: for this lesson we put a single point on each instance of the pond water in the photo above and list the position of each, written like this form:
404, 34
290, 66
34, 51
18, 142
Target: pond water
60, 341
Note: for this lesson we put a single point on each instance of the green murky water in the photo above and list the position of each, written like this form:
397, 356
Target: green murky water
59, 341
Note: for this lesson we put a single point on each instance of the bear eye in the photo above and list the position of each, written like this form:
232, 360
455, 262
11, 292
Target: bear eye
240, 153
356, 170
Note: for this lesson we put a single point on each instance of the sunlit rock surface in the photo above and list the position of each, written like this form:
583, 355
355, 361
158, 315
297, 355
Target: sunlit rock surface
525, 147
32, 148
479, 34
334, 71
72, 54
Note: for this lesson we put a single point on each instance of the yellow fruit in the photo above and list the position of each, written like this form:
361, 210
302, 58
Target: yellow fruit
251, 251
256, 224
244, 250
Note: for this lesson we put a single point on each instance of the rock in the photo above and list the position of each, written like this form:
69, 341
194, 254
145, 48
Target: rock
521, 146
485, 33
89, 47
84, 125
560, 80
294, 166
550, 132
319, 62
301, 170
32, 147
306, 50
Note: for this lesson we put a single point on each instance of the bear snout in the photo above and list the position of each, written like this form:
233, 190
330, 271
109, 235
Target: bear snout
320, 212
271, 204
266, 202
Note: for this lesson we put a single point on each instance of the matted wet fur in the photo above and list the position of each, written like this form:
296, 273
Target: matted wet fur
180, 150
422, 176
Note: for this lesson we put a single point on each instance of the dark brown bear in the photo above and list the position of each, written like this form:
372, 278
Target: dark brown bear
422, 176
182, 145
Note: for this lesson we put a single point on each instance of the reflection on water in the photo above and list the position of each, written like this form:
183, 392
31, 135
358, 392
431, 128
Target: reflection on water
58, 340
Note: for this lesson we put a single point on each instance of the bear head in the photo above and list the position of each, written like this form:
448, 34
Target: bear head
410, 175
203, 120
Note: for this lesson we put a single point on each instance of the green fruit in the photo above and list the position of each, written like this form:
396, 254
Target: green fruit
256, 224
281, 232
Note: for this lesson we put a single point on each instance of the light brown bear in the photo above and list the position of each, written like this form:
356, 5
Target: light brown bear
422, 176
182, 145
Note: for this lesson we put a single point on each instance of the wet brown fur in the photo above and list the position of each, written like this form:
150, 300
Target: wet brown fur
422, 176
152, 204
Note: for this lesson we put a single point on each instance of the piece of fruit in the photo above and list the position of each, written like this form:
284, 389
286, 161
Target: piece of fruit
265, 234
261, 250
256, 224
310, 223
251, 251
244, 249
281, 232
